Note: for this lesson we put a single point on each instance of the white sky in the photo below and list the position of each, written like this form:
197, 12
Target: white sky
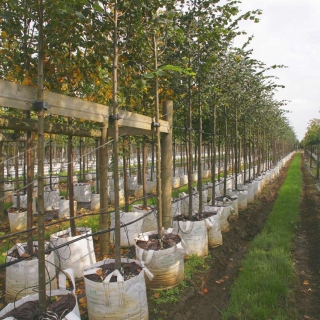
289, 33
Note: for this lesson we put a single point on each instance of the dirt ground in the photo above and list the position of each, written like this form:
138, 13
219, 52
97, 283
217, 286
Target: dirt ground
206, 300
306, 250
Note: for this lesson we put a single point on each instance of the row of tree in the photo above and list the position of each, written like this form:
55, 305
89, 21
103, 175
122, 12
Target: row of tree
185, 45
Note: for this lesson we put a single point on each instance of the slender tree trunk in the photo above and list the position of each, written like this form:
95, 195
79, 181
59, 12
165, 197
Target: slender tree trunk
41, 213
2, 191
104, 218
144, 172
125, 175
71, 185
226, 150
116, 138
30, 186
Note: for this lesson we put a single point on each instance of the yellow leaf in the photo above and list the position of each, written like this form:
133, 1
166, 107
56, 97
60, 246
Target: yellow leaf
99, 272
4, 34
26, 81
306, 282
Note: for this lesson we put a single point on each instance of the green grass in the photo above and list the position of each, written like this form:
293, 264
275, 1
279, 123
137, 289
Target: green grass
263, 288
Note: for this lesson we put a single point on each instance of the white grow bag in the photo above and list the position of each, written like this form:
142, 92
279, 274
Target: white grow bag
17, 220
242, 198
151, 187
61, 291
120, 300
75, 255
132, 182
194, 235
166, 265
149, 223
51, 199
224, 214
82, 192
213, 227
95, 202
23, 202
64, 207
183, 180
121, 197
130, 232
175, 182
22, 277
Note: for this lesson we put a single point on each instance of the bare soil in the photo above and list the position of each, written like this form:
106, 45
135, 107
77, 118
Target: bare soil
306, 250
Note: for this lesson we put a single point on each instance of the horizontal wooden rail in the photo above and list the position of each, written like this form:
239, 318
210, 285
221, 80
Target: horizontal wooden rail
21, 97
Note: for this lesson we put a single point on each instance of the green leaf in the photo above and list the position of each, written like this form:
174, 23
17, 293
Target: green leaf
148, 75
160, 73
97, 7
79, 15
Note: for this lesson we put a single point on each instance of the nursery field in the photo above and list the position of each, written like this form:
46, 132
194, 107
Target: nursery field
206, 290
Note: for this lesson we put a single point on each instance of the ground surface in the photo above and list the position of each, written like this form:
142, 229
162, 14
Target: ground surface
212, 294
307, 250
209, 291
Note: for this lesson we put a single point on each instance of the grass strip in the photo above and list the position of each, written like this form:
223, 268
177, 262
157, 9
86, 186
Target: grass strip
262, 290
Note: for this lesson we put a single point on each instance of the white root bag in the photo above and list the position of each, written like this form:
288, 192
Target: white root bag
23, 276
61, 291
183, 180
119, 300
214, 229
194, 235
130, 232
149, 223
51, 199
223, 217
82, 192
95, 202
166, 265
64, 207
242, 199
75, 255
23, 202
17, 220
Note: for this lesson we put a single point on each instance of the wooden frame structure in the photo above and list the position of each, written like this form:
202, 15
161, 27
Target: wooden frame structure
22, 97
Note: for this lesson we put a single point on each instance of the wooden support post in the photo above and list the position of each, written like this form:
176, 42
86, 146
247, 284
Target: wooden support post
166, 165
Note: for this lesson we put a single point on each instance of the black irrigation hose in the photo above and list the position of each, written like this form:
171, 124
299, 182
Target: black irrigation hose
75, 240
11, 235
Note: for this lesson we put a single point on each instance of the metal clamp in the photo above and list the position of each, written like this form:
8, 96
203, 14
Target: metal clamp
115, 117
40, 105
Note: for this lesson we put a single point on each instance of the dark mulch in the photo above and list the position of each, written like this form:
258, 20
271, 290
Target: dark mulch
128, 270
168, 241
57, 308
196, 216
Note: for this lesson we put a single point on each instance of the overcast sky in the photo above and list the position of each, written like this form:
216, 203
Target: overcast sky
289, 33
